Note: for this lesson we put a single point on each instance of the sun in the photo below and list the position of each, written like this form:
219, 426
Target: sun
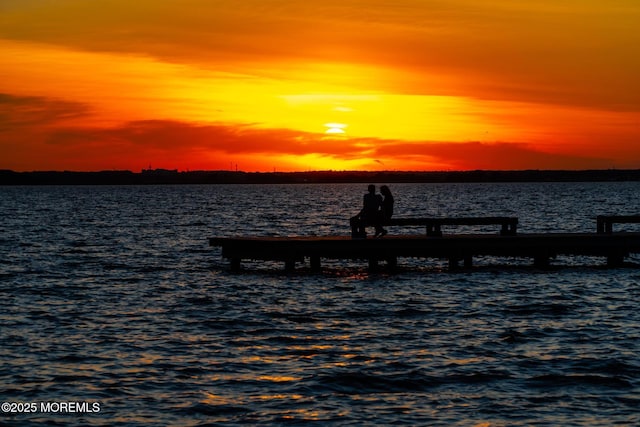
335, 128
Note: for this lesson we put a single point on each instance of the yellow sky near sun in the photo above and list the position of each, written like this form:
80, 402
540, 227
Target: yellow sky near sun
550, 78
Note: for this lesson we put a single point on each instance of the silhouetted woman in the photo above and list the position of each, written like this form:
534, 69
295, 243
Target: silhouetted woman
386, 212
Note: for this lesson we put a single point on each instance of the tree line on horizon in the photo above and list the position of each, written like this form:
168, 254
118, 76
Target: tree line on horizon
165, 176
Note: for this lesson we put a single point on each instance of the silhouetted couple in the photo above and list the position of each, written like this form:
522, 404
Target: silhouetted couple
376, 210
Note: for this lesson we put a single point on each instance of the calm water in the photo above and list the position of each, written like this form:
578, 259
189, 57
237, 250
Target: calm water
110, 295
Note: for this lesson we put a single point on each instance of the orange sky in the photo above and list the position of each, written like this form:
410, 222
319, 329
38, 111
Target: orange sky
301, 85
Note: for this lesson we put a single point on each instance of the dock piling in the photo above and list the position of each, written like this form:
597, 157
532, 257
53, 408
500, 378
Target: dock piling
615, 260
235, 264
289, 265
315, 264
541, 261
468, 261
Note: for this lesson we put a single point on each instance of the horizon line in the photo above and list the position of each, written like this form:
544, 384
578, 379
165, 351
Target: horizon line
178, 171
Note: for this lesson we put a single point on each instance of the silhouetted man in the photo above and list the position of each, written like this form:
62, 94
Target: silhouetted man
369, 213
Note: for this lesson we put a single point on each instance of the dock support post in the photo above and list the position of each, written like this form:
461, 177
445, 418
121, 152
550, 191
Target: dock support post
615, 260
453, 263
289, 265
434, 230
315, 263
541, 261
392, 262
373, 264
468, 261
235, 264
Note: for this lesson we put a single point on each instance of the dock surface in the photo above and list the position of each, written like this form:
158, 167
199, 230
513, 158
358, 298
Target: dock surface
540, 247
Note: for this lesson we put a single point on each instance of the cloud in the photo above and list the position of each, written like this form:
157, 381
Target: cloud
173, 137
20, 112
492, 156
576, 52
175, 144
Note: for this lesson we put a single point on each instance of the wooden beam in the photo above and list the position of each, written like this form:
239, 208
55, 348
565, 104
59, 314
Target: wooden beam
541, 246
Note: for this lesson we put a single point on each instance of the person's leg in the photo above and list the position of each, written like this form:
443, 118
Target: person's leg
362, 227
354, 223
378, 224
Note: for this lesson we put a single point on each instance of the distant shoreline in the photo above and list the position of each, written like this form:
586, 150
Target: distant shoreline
163, 176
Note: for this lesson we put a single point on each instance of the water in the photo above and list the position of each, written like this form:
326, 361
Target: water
110, 295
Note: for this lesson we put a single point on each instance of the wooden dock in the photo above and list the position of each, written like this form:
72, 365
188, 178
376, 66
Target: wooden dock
541, 247
455, 248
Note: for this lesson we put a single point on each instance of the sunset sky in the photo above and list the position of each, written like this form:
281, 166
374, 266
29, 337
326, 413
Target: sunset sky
263, 85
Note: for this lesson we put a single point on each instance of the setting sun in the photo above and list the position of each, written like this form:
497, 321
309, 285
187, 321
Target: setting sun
335, 128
